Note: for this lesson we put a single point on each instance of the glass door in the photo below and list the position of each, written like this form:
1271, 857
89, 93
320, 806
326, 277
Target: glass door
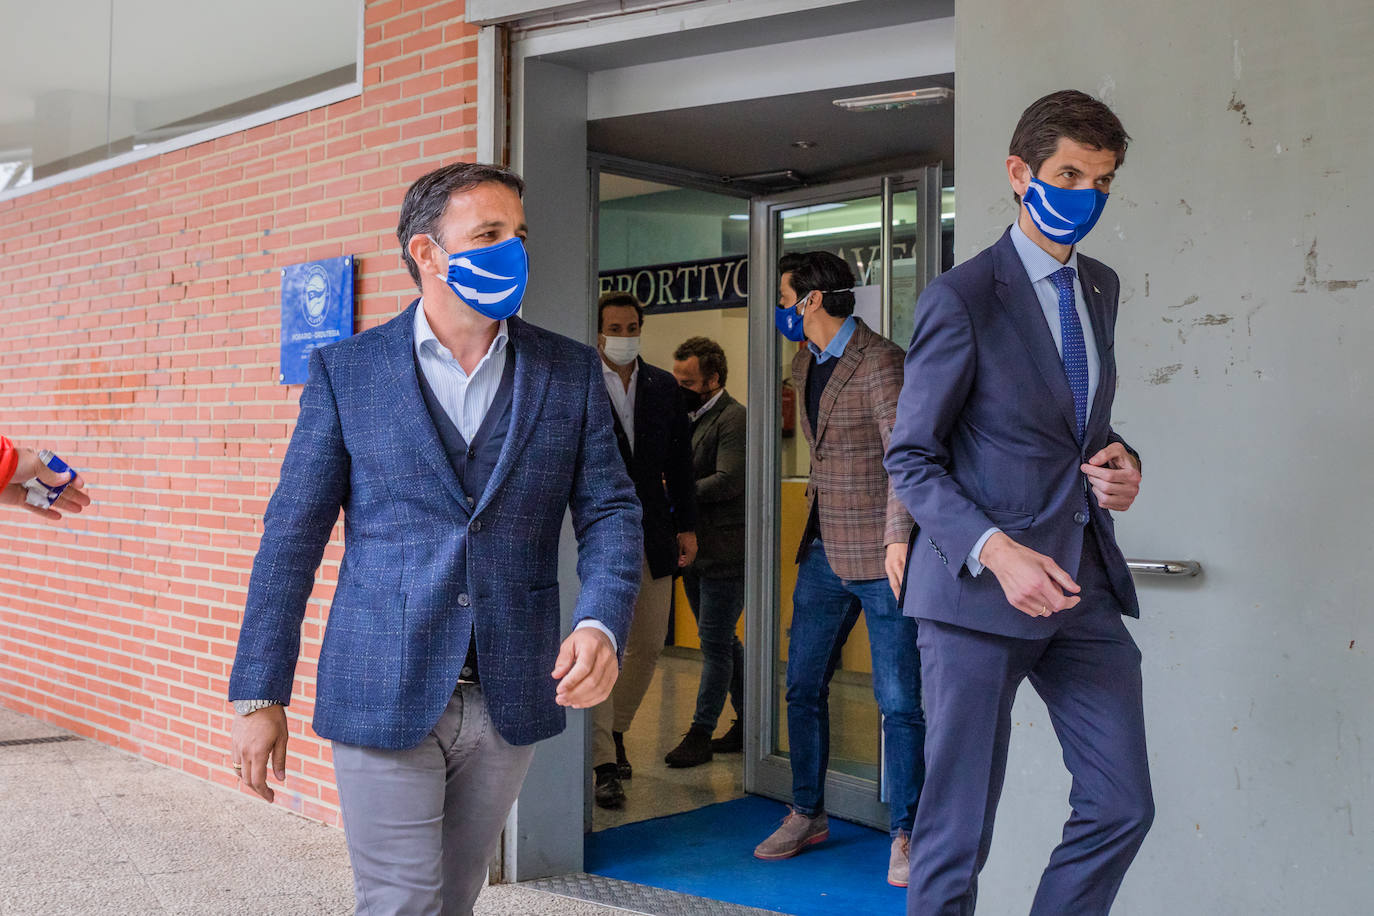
888, 229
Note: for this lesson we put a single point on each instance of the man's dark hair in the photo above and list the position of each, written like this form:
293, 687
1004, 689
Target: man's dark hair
428, 196
617, 299
821, 270
1066, 113
710, 357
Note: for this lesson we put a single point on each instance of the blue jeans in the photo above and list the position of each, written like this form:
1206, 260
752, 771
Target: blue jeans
824, 610
717, 604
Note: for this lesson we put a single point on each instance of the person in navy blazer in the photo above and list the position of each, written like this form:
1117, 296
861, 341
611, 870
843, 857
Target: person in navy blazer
454, 438
1004, 453
655, 442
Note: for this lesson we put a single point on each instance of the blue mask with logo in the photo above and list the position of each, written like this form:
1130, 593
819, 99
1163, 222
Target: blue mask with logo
789, 321
491, 280
1063, 215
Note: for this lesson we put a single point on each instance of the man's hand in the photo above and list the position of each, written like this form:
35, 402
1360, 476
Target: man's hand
1032, 582
1115, 477
686, 548
259, 739
73, 499
586, 668
895, 565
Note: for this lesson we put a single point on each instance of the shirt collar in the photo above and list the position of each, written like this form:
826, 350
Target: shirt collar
837, 343
424, 334
608, 371
1038, 262
701, 411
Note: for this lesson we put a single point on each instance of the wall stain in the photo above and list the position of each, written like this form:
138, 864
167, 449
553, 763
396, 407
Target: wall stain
1147, 286
1309, 270
1184, 204
1186, 302
1238, 106
1163, 374
1210, 320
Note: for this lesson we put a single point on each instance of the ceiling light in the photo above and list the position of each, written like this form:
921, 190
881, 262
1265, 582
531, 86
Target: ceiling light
804, 144
739, 216
814, 208
833, 230
932, 95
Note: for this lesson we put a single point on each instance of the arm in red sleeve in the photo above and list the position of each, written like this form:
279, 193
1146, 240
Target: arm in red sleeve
9, 459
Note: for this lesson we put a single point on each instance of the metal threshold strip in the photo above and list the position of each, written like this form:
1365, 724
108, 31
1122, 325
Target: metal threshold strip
50, 739
639, 898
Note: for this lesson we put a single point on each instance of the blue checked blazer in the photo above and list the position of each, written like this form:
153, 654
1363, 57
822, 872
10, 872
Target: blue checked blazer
421, 568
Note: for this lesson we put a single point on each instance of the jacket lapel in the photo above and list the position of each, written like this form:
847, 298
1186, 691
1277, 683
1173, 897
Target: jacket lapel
531, 382
849, 361
414, 415
1097, 314
1022, 306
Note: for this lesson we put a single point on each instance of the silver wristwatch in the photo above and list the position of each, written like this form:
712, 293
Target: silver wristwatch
248, 707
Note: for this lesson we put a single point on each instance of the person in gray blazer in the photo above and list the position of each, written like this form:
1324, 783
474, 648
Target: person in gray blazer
714, 583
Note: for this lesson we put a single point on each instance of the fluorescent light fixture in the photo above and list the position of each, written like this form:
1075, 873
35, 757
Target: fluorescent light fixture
833, 230
741, 216
932, 95
814, 208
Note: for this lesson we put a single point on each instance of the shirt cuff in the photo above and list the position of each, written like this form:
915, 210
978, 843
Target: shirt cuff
974, 567
598, 625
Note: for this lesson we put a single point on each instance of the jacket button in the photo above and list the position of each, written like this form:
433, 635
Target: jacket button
464, 600
1080, 517
476, 525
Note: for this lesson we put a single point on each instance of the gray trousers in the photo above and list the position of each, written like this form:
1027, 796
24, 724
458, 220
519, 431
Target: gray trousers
423, 824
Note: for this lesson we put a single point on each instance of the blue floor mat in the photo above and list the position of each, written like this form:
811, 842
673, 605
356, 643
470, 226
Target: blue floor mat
709, 853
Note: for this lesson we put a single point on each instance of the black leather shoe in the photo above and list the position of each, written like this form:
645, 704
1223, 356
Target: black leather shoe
609, 792
694, 750
624, 770
732, 742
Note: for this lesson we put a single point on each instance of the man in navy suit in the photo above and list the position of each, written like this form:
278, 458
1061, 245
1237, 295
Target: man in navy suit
1004, 453
655, 441
455, 438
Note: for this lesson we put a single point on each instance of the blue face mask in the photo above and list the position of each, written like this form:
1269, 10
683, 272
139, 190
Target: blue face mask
789, 321
1064, 216
491, 280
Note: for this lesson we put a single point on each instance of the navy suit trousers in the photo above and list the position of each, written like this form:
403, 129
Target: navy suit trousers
1088, 674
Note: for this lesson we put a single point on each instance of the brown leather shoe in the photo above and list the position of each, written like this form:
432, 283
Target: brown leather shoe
796, 833
899, 863
694, 750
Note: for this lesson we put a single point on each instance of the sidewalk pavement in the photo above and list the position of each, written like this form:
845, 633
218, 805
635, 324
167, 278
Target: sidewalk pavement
87, 829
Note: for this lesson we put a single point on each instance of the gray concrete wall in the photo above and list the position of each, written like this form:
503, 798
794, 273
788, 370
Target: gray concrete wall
1240, 229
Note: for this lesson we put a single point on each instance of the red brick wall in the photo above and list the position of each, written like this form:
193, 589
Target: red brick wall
141, 322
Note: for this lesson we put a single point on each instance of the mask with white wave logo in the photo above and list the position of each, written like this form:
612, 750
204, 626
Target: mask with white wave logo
491, 280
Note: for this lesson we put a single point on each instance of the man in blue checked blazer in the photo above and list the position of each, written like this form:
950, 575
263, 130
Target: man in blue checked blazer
1003, 451
454, 437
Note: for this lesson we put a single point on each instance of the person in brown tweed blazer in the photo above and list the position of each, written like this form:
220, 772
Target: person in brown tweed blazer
852, 554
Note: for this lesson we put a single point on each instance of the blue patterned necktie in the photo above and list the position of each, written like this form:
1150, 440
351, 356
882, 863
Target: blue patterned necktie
1075, 355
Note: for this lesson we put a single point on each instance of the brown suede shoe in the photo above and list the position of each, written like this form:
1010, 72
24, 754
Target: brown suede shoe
796, 833
899, 863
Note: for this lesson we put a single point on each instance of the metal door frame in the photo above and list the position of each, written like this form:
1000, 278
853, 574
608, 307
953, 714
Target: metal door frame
767, 773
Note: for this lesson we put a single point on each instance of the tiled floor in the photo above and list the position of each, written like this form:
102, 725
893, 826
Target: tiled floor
657, 790
85, 829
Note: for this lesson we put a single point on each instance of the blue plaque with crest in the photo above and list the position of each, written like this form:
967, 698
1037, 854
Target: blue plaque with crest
316, 309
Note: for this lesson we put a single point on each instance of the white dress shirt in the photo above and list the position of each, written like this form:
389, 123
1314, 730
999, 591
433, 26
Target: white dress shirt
622, 397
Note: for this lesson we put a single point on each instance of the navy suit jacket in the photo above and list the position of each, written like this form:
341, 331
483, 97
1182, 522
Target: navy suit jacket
422, 570
986, 436
660, 464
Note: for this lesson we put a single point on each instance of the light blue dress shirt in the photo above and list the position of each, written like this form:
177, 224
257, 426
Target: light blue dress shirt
835, 348
1039, 264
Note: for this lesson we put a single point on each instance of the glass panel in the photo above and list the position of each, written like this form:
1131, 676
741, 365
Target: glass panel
54, 87
86, 80
851, 229
684, 255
